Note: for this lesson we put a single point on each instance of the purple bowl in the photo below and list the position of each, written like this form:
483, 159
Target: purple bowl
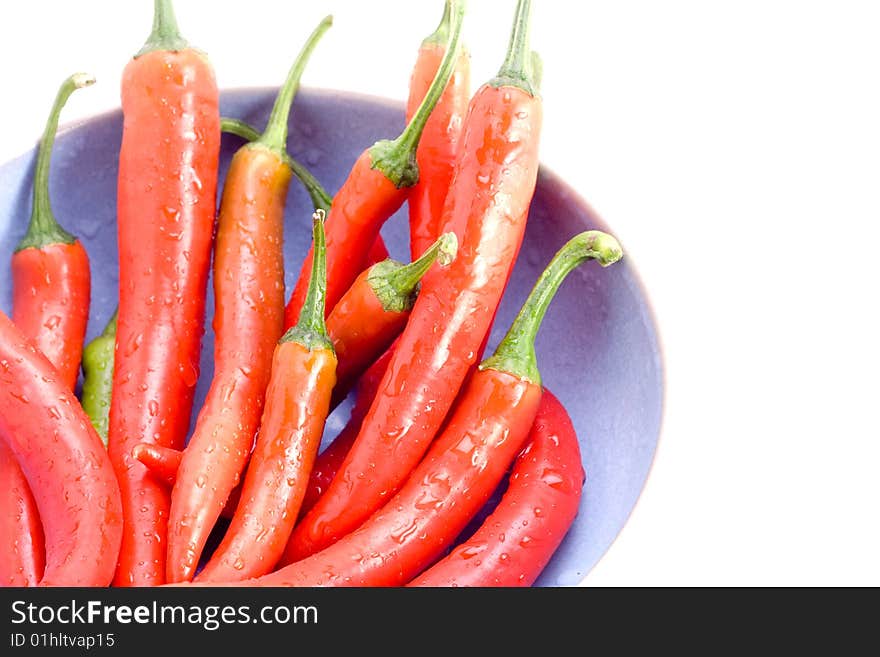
598, 349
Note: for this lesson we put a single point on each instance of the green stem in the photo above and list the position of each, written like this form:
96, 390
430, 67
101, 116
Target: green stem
396, 159
275, 135
43, 228
516, 353
97, 390
165, 34
441, 34
320, 198
396, 285
518, 67
311, 329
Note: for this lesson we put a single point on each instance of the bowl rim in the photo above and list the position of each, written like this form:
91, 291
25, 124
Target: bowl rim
545, 171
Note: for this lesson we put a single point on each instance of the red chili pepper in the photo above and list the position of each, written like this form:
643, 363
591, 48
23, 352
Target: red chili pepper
466, 463
166, 203
440, 142
327, 462
487, 208
65, 463
374, 310
297, 403
248, 322
515, 543
378, 252
376, 188
22, 545
50, 268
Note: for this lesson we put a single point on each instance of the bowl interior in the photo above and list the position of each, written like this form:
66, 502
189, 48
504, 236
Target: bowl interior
598, 349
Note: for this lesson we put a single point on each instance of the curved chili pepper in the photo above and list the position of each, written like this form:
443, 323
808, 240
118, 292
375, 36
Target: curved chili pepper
248, 322
440, 142
374, 310
376, 188
97, 389
297, 403
328, 461
487, 208
50, 268
22, 545
66, 466
515, 543
166, 200
466, 463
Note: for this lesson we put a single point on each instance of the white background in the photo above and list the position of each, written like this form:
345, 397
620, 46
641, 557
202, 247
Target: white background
734, 147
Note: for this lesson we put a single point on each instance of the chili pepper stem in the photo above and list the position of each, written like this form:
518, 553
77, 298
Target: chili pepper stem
311, 329
518, 67
275, 135
43, 228
165, 34
441, 34
396, 285
320, 198
516, 353
396, 158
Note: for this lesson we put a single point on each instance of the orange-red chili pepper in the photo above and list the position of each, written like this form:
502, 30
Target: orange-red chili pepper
486, 208
517, 540
376, 187
438, 148
297, 403
328, 461
166, 201
465, 464
65, 463
374, 310
248, 321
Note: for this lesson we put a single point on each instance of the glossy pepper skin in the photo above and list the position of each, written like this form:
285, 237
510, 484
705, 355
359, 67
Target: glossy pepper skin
375, 309
486, 208
297, 404
440, 142
491, 421
444, 492
65, 463
22, 545
377, 186
517, 540
248, 322
166, 203
328, 461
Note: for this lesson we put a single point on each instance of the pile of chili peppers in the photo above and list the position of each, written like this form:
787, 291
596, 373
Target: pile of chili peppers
106, 489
